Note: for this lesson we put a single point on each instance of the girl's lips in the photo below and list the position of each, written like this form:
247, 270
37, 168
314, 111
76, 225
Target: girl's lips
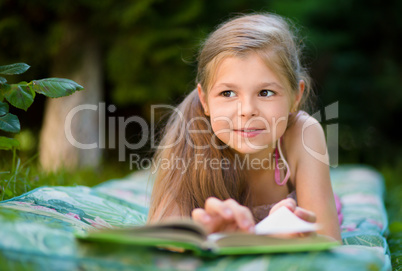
249, 132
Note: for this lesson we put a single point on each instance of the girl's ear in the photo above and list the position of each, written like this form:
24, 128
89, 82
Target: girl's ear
298, 96
201, 95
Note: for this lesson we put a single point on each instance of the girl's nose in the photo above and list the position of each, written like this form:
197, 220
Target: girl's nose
248, 108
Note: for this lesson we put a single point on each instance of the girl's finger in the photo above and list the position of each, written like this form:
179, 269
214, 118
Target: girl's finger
242, 215
214, 206
289, 203
200, 216
305, 214
211, 223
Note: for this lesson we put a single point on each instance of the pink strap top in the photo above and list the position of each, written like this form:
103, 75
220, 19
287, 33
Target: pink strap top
277, 171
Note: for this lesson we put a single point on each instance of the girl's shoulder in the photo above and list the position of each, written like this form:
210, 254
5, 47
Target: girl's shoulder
297, 124
303, 136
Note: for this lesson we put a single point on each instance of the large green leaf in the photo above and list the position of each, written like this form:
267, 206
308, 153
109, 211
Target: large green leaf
16, 68
55, 87
3, 108
20, 95
3, 80
10, 123
8, 143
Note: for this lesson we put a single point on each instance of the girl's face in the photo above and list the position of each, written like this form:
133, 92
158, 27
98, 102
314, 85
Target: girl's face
247, 104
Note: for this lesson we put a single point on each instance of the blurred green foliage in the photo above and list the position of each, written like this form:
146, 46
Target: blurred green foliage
149, 49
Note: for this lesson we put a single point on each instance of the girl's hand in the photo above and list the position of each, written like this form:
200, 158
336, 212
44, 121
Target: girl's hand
300, 212
227, 215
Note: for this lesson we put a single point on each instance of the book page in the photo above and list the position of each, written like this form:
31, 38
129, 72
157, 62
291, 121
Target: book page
284, 221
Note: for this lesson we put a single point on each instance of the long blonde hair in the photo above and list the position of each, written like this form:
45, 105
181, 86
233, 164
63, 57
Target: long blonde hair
265, 34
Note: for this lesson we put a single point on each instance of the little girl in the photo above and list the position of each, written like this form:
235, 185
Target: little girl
243, 137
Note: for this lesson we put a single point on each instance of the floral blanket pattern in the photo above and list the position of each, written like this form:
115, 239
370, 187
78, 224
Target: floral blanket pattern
37, 230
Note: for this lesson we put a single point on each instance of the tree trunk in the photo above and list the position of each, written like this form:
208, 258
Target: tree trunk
56, 150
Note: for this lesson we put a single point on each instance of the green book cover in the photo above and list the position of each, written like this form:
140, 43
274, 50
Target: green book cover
185, 234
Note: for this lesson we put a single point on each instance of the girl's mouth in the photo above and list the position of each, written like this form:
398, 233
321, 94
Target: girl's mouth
250, 132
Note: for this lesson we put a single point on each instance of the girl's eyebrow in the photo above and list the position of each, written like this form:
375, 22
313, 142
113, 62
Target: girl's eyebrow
225, 85
259, 86
270, 84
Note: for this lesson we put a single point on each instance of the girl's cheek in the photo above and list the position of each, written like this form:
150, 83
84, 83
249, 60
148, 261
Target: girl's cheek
223, 132
223, 118
220, 129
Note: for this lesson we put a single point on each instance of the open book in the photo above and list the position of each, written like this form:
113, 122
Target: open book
185, 234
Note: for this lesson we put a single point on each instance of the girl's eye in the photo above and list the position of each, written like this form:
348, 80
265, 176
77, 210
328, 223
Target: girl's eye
266, 93
227, 93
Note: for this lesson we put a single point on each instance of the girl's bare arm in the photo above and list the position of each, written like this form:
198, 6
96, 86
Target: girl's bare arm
312, 179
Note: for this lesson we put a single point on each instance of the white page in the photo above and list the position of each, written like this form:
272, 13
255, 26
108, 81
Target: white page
284, 221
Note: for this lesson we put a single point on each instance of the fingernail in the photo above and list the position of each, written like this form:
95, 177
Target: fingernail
251, 229
206, 218
291, 207
245, 223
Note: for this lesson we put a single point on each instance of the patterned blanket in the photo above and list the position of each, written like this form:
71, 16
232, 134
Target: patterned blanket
37, 230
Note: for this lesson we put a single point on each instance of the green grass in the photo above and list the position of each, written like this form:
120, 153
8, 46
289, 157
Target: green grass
18, 178
393, 200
